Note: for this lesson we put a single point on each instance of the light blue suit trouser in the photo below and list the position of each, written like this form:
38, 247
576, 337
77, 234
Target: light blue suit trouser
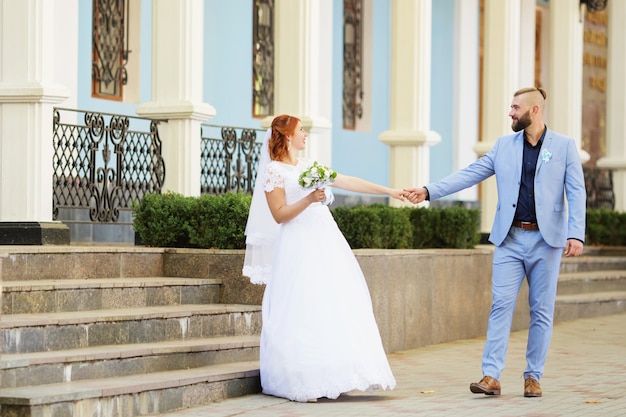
523, 253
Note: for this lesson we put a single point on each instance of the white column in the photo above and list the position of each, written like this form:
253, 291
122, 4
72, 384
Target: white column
303, 74
616, 102
27, 95
566, 70
528, 11
466, 88
177, 75
501, 78
409, 136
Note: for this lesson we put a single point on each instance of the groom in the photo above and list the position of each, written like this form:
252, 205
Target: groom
534, 168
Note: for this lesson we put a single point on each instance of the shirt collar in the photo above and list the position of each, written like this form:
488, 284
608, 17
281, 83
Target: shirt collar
540, 142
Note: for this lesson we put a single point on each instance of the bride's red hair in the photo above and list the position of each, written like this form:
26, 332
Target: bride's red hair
282, 126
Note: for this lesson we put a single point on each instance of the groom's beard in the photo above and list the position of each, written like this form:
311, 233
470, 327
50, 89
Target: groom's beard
522, 123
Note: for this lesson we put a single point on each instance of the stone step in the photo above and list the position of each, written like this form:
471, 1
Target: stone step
134, 395
591, 281
605, 250
586, 305
592, 263
47, 296
81, 263
39, 368
24, 333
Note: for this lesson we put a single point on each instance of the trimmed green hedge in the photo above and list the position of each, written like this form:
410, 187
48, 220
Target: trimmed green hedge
163, 220
209, 221
375, 226
219, 221
451, 227
605, 227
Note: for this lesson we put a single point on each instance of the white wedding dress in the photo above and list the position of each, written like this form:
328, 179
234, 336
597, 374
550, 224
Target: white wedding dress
319, 335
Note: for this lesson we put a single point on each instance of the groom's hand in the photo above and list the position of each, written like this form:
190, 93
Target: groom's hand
573, 247
416, 195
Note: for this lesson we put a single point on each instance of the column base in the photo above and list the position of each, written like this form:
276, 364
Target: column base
34, 233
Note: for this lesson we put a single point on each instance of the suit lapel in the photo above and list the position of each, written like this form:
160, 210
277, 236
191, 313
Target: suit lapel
519, 151
544, 153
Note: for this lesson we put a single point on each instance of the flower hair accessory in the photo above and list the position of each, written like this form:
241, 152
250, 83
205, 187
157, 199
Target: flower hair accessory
546, 155
318, 176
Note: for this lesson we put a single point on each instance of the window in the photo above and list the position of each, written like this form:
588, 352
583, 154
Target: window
352, 63
263, 59
109, 48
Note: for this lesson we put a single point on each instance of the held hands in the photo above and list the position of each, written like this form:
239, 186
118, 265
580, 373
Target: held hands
398, 194
416, 195
319, 195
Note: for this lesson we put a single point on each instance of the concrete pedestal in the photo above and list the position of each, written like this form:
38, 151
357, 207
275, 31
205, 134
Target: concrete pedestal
34, 233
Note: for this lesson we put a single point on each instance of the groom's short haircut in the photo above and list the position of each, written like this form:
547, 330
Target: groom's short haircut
531, 90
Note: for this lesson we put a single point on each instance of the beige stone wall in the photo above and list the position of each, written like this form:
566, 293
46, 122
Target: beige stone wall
425, 297
420, 297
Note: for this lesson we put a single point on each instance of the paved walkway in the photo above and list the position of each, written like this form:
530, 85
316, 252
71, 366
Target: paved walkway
585, 376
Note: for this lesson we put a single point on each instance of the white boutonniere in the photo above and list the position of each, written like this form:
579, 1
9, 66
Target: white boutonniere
546, 155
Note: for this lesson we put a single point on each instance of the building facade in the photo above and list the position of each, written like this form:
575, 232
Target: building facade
399, 92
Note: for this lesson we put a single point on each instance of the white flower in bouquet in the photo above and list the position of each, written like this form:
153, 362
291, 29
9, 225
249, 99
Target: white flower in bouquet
317, 176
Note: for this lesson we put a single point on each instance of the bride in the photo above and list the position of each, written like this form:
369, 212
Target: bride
319, 336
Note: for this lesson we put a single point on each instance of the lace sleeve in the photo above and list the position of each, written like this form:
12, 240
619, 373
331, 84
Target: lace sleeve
273, 178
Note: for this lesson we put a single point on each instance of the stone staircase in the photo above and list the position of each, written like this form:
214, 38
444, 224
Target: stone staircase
143, 331
106, 334
592, 285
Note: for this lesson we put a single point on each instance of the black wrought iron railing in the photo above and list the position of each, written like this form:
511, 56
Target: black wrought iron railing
229, 158
102, 163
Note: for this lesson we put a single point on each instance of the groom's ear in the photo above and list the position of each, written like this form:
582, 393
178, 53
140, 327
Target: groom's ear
535, 110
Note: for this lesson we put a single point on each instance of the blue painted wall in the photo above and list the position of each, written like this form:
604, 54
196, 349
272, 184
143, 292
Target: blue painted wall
228, 78
361, 153
441, 97
228, 62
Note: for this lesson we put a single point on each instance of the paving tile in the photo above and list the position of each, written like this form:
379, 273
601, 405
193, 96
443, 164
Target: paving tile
584, 376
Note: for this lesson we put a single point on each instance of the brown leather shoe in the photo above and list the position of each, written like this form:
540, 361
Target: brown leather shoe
532, 388
488, 386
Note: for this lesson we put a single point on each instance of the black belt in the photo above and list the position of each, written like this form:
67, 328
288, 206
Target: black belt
525, 225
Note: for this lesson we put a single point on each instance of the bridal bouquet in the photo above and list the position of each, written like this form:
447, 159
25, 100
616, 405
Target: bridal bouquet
318, 176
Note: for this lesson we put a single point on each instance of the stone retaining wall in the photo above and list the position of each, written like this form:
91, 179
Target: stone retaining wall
420, 297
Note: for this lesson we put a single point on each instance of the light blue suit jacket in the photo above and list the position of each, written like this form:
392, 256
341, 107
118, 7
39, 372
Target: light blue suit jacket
558, 174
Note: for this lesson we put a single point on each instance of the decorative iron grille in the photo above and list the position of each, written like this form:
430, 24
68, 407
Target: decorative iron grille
263, 58
109, 48
594, 5
103, 166
599, 185
352, 63
229, 159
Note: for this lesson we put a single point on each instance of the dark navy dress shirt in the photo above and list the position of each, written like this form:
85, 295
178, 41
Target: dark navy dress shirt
525, 209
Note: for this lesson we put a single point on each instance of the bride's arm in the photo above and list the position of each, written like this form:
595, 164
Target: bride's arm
359, 185
282, 212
